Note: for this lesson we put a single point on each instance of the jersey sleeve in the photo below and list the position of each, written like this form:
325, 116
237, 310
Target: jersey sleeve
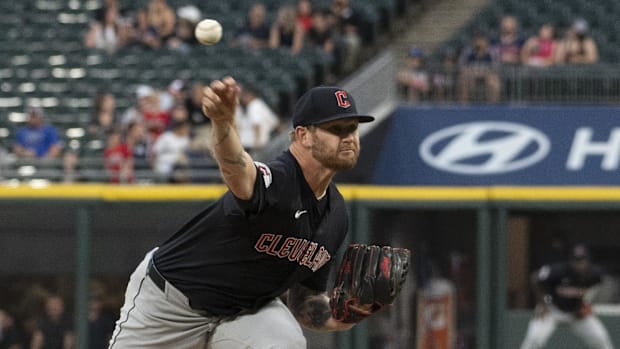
264, 193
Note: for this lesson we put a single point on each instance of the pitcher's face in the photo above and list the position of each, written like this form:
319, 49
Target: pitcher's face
336, 143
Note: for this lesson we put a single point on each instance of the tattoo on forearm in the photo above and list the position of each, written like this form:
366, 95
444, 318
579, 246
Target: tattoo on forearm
310, 307
238, 160
223, 136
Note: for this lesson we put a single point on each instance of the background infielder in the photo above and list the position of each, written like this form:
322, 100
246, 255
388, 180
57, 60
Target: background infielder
561, 290
216, 282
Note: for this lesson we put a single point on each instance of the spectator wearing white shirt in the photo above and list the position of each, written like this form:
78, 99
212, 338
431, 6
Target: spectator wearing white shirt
169, 149
255, 120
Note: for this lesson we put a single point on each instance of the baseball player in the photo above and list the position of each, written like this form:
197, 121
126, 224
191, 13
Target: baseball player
562, 291
216, 282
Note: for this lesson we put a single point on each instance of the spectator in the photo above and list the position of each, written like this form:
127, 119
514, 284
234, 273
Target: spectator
478, 64
173, 94
578, 47
139, 145
184, 38
109, 34
156, 23
286, 31
540, 50
255, 33
99, 14
169, 149
100, 325
179, 114
104, 118
29, 309
413, 80
304, 14
193, 104
9, 337
321, 34
201, 125
348, 22
444, 78
509, 43
256, 121
37, 139
54, 329
148, 111
118, 159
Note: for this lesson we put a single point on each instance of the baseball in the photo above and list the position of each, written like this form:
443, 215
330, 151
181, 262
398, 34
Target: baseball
208, 31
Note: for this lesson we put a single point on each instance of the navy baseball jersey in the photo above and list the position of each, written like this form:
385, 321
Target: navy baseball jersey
565, 286
237, 255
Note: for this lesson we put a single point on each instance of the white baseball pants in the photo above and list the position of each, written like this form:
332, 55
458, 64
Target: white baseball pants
152, 319
589, 329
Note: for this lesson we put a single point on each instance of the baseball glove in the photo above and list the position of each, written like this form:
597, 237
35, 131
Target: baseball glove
369, 278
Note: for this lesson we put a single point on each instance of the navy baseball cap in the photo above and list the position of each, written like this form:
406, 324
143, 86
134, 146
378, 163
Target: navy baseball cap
325, 103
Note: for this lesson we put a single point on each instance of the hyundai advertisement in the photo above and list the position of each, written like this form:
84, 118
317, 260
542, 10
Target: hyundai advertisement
501, 145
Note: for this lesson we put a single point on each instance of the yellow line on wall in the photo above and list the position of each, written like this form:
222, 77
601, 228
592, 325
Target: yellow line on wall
108, 192
359, 192
555, 193
163, 192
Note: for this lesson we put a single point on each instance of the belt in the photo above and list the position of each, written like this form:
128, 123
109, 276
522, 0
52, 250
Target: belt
154, 274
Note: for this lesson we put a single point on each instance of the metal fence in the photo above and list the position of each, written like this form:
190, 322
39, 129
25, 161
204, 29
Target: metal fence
566, 84
591, 84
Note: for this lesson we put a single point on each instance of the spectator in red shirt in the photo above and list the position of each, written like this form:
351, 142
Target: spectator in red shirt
540, 50
149, 112
304, 14
118, 159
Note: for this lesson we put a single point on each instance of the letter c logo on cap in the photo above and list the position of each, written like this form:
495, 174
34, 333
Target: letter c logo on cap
343, 99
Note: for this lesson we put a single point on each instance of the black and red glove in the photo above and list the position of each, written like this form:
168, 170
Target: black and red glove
369, 278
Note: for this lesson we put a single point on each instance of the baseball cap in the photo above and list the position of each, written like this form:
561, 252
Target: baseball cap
325, 103
177, 85
35, 111
190, 13
143, 91
416, 52
580, 26
580, 251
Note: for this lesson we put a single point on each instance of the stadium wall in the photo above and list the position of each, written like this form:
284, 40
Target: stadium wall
93, 229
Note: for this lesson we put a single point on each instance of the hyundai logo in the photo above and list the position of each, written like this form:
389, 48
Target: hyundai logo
482, 148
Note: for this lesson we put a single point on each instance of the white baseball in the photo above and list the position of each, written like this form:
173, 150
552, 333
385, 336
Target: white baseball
208, 31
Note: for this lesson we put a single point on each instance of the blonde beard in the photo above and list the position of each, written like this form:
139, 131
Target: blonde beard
331, 160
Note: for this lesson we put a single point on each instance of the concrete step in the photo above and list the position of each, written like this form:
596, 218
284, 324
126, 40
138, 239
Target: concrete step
436, 24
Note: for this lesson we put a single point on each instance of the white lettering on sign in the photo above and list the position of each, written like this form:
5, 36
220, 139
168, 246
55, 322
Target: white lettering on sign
583, 147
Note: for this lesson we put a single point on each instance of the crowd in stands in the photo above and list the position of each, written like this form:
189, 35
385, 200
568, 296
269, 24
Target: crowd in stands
165, 133
43, 319
335, 29
456, 76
